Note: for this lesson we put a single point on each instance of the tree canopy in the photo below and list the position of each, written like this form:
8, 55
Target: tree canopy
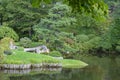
73, 26
96, 8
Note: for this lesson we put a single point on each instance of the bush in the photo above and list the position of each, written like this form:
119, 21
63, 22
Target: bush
55, 54
82, 38
1, 53
8, 32
8, 52
25, 42
118, 48
4, 45
35, 44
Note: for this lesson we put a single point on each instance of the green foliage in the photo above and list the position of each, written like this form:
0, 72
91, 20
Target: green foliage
8, 32
55, 54
35, 44
8, 52
84, 43
25, 42
48, 30
82, 38
32, 44
86, 24
58, 17
96, 8
93, 43
118, 48
111, 39
115, 31
4, 46
59, 28
36, 3
65, 42
41, 34
21, 16
1, 53
106, 40
114, 6
85, 20
5, 43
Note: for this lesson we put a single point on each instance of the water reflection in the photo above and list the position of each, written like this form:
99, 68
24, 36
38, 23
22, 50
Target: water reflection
27, 71
114, 69
98, 69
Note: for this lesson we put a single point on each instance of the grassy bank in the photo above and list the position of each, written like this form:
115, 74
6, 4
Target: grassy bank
69, 63
20, 57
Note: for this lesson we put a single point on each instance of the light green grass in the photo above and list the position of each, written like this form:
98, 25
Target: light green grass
69, 63
20, 57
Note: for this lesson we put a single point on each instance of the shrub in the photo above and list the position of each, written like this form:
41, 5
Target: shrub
25, 42
55, 54
4, 45
1, 53
8, 52
82, 38
69, 41
8, 32
118, 48
35, 44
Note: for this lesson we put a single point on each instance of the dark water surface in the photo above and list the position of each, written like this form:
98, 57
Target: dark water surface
106, 68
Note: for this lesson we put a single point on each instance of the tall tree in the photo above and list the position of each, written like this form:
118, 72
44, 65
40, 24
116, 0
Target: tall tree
97, 8
49, 32
20, 15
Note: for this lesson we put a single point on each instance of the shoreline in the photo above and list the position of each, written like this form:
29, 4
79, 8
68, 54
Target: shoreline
29, 66
27, 71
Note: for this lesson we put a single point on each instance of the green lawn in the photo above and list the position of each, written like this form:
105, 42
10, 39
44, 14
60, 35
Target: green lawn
70, 63
20, 57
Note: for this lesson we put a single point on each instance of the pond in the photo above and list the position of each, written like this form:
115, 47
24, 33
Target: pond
105, 68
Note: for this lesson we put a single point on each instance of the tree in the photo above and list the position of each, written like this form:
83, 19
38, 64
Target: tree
49, 30
111, 39
20, 15
58, 17
97, 8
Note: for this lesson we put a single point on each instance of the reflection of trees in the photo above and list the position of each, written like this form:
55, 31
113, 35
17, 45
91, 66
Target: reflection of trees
114, 68
91, 73
3, 76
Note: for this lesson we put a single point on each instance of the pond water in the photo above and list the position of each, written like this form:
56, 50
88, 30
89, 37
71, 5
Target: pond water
106, 68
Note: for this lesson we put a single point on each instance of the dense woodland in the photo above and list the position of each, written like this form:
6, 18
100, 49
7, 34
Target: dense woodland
66, 26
